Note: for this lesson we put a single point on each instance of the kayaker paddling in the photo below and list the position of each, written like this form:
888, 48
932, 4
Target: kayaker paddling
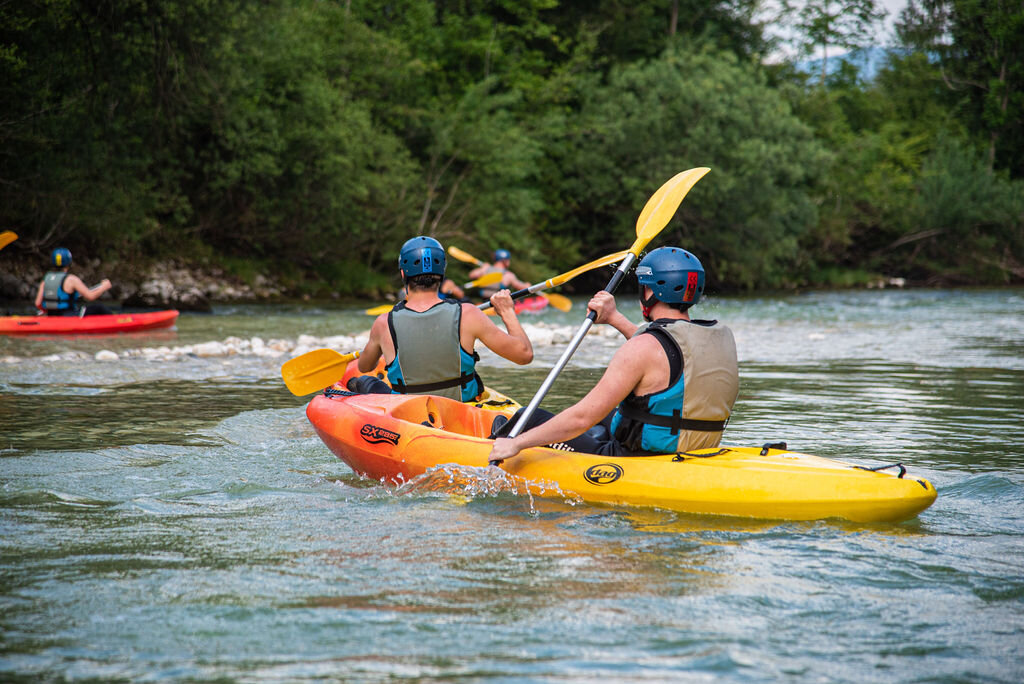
60, 291
669, 388
502, 264
428, 342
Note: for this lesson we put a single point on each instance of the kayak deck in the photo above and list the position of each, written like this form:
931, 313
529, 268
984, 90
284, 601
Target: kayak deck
394, 438
87, 325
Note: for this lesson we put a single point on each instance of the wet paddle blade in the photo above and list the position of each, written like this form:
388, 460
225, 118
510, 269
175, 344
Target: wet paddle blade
378, 310
560, 302
485, 280
662, 206
315, 370
7, 237
464, 256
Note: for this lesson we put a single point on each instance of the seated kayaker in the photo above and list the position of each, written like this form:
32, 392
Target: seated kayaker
60, 291
509, 280
670, 388
428, 342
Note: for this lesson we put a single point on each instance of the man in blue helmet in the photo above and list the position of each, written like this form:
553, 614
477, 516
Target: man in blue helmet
669, 389
509, 280
60, 292
428, 342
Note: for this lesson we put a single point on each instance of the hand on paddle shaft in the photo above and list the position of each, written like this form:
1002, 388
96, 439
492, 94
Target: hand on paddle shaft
656, 214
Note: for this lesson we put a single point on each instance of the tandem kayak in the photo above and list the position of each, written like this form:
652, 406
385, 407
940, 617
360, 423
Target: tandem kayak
87, 325
397, 437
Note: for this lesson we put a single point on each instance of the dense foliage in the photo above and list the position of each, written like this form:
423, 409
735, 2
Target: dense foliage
308, 139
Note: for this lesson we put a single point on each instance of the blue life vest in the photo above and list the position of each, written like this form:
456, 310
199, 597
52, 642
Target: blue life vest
429, 358
703, 384
54, 297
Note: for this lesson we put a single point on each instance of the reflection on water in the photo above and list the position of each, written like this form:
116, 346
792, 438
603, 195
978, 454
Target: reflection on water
180, 520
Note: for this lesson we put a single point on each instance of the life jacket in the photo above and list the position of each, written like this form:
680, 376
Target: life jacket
54, 296
429, 358
692, 411
491, 290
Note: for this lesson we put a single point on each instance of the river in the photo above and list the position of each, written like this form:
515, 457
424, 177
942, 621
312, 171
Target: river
168, 514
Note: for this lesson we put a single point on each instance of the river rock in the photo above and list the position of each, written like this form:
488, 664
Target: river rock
163, 294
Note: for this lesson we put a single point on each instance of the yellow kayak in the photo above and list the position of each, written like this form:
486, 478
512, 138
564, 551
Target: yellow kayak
397, 437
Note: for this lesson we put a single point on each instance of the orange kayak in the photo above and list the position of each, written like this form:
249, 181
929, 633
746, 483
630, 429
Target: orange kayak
397, 437
87, 325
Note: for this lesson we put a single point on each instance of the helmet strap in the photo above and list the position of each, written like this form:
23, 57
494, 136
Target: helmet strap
647, 304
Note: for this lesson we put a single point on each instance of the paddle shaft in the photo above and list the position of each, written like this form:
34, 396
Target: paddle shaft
574, 344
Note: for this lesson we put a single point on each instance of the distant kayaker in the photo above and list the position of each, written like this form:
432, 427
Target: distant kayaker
428, 342
670, 388
509, 280
60, 292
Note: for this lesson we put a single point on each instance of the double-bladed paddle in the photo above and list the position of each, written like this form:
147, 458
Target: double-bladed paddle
560, 302
656, 214
321, 368
315, 370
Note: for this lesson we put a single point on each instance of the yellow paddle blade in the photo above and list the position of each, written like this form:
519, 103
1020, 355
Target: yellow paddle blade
597, 263
662, 206
464, 256
560, 302
315, 370
7, 237
378, 310
485, 280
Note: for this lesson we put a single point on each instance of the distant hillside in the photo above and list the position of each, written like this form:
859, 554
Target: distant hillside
868, 62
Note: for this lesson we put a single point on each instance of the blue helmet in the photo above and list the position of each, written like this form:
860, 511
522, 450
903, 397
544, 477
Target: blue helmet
673, 274
422, 255
61, 257
502, 254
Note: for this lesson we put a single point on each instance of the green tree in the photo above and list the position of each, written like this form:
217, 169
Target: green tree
980, 48
693, 107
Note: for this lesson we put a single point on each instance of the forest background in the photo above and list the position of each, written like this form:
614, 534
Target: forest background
307, 139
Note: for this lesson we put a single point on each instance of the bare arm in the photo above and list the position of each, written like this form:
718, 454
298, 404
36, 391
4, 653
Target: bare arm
513, 345
74, 284
479, 271
372, 352
39, 296
624, 373
450, 288
510, 280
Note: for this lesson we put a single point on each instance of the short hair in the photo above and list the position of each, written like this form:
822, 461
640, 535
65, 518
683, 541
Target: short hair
423, 281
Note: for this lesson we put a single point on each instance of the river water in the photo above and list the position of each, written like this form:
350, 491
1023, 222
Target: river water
167, 514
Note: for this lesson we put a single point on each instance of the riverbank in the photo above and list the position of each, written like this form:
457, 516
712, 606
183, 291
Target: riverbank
163, 285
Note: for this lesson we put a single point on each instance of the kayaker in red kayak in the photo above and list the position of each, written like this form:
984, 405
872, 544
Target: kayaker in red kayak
670, 388
60, 291
509, 280
428, 342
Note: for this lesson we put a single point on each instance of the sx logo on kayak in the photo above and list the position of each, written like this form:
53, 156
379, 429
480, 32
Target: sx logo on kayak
603, 474
378, 435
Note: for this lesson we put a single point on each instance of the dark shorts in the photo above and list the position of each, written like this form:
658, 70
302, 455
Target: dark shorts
596, 440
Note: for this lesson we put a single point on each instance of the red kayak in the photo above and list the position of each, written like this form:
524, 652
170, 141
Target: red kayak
87, 325
531, 304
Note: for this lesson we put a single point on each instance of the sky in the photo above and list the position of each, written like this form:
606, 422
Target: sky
886, 34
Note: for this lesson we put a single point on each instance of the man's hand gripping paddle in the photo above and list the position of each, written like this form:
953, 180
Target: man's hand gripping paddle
656, 214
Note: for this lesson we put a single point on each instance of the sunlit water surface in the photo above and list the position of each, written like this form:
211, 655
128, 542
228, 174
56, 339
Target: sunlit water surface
178, 519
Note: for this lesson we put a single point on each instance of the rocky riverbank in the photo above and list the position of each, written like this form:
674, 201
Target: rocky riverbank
161, 286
